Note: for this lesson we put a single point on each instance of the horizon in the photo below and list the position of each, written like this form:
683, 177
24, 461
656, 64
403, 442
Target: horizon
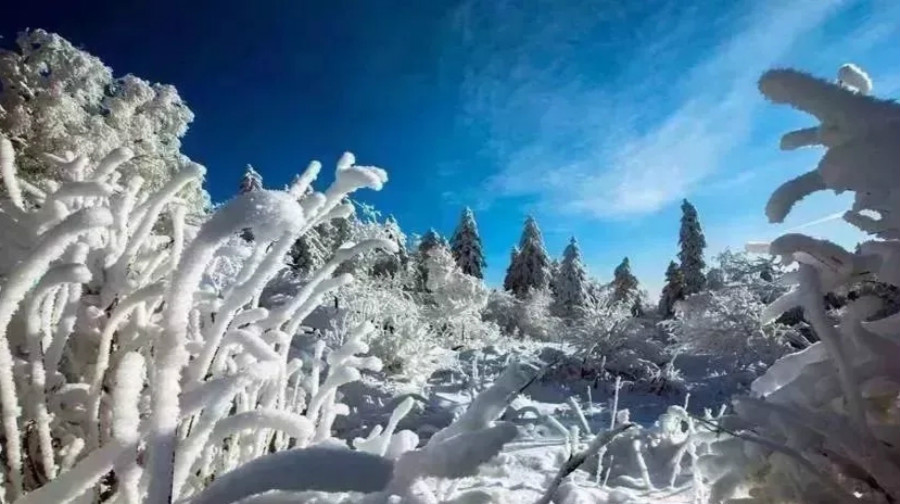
595, 118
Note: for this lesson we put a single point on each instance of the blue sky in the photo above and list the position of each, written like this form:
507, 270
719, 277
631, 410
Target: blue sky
597, 117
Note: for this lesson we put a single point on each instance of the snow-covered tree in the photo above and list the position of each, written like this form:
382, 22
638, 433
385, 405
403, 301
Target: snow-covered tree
428, 242
624, 284
394, 263
466, 245
673, 290
250, 181
692, 243
508, 278
56, 98
570, 285
530, 270
311, 250
454, 292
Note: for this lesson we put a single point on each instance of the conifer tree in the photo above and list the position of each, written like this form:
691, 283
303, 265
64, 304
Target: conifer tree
508, 278
672, 292
466, 246
393, 263
692, 243
429, 241
625, 284
570, 283
531, 267
251, 181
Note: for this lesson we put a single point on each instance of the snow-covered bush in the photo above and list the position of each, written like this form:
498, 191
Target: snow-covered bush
727, 322
58, 99
120, 350
822, 425
529, 317
759, 274
611, 342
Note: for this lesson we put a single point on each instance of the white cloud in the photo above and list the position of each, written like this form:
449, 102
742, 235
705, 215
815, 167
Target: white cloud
635, 143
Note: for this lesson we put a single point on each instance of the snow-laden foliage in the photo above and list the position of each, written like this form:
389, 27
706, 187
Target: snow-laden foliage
822, 425
570, 285
58, 99
466, 246
455, 293
728, 322
673, 290
611, 342
759, 274
692, 243
529, 268
625, 284
529, 317
250, 181
119, 352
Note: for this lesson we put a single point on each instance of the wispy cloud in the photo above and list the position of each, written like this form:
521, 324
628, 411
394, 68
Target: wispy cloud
582, 126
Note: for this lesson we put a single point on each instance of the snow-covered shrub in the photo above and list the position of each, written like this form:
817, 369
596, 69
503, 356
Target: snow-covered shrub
529, 317
126, 350
611, 342
728, 322
58, 99
759, 274
822, 425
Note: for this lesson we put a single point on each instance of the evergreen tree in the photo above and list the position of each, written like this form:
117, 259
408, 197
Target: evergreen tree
466, 246
392, 264
570, 283
429, 241
251, 181
625, 284
310, 251
672, 292
531, 268
692, 243
508, 278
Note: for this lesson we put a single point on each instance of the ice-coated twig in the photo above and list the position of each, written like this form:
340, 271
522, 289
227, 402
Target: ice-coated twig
575, 461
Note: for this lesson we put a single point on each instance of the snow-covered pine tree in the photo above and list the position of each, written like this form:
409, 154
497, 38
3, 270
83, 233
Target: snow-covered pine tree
250, 181
625, 284
394, 262
429, 241
466, 246
531, 267
570, 283
508, 278
673, 291
692, 243
311, 250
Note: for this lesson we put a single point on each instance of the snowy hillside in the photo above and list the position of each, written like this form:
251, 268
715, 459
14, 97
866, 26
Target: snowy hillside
295, 346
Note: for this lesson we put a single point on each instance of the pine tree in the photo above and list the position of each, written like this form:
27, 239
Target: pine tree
625, 284
392, 264
466, 246
531, 268
673, 291
429, 241
508, 279
251, 181
570, 283
692, 243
